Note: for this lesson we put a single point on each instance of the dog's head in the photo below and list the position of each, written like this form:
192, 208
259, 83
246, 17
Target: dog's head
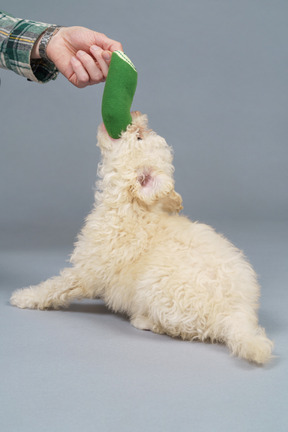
138, 165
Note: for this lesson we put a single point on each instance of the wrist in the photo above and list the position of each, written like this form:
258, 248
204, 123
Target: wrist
45, 40
35, 50
40, 47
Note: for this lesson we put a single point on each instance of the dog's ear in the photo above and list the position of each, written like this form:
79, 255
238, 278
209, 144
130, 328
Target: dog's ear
153, 186
148, 184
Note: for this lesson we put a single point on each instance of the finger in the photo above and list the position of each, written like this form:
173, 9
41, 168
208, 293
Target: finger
107, 57
97, 54
94, 71
81, 78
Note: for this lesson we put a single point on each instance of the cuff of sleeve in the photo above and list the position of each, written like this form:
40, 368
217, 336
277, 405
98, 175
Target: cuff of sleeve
19, 47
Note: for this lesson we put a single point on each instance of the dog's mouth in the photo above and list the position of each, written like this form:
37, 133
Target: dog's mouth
104, 130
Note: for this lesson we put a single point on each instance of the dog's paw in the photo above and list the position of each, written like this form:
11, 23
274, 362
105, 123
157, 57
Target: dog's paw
142, 323
25, 298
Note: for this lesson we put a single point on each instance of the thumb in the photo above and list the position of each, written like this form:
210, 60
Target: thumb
106, 43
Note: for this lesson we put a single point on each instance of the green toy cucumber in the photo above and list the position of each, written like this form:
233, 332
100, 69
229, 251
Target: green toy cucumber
119, 90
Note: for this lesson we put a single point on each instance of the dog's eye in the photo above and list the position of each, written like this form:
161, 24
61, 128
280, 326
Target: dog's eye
139, 138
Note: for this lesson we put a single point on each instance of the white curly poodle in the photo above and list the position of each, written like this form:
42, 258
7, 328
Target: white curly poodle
168, 274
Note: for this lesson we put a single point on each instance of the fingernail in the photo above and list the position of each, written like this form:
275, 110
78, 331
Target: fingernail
80, 53
95, 48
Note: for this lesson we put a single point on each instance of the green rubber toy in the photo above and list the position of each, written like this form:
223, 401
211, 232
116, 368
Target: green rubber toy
119, 90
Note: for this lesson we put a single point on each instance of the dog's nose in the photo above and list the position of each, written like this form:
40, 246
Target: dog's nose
136, 113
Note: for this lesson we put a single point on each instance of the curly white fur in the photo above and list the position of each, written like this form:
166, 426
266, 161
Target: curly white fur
168, 274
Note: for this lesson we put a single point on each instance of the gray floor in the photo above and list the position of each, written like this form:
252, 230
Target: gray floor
86, 369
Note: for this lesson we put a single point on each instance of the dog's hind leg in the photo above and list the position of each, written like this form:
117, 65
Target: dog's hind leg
247, 340
56, 292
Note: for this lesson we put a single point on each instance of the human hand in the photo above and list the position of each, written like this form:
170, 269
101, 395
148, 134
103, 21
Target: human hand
80, 54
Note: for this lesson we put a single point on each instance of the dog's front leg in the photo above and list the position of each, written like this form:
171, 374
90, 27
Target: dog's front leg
56, 292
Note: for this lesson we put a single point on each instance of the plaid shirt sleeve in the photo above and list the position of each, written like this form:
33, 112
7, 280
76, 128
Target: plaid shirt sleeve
17, 37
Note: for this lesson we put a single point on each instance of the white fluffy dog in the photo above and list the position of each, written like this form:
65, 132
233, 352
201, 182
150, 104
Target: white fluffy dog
168, 274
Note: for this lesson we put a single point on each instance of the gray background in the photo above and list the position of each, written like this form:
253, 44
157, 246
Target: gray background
213, 81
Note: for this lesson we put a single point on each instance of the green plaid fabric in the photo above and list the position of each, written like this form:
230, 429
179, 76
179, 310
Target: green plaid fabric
17, 37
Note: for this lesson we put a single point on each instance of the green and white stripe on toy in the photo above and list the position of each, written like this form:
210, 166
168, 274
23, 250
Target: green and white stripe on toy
119, 90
